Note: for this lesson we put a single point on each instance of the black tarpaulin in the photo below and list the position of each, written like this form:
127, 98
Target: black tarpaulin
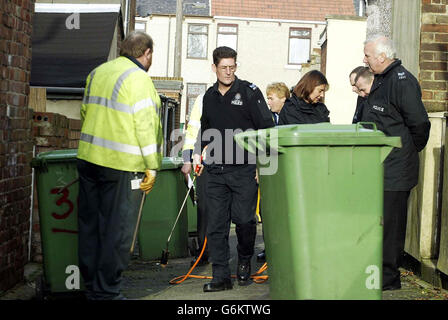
66, 47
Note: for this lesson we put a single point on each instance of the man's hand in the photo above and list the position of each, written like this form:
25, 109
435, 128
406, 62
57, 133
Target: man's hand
186, 170
149, 180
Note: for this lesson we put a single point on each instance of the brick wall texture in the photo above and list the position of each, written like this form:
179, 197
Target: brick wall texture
434, 55
310, 10
16, 142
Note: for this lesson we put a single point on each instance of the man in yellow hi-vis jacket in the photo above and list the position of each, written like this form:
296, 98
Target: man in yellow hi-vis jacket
121, 140
193, 128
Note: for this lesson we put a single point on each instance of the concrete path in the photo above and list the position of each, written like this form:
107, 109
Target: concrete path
147, 280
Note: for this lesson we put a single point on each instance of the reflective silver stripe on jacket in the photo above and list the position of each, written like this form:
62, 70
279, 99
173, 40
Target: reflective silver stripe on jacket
117, 146
109, 104
152, 148
87, 93
118, 106
120, 81
142, 104
113, 103
194, 123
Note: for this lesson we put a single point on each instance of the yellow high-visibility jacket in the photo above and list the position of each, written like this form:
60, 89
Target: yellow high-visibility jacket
193, 127
121, 127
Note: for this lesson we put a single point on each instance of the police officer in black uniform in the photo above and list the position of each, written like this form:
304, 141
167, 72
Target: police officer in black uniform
361, 96
395, 105
230, 106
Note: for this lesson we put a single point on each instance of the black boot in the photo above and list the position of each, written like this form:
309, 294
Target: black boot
243, 273
261, 257
218, 286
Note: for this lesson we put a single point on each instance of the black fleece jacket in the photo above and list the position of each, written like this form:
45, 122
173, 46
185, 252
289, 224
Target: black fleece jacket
298, 111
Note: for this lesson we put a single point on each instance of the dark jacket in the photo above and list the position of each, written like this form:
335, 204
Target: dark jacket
359, 108
242, 108
298, 111
395, 105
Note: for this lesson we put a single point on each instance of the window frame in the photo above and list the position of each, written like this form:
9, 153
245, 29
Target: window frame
197, 33
140, 22
291, 29
227, 33
193, 98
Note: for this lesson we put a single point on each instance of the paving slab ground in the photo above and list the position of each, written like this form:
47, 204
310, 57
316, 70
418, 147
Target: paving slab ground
147, 280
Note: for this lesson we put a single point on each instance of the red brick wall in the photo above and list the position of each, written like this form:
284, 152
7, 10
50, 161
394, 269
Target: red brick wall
16, 142
434, 54
310, 10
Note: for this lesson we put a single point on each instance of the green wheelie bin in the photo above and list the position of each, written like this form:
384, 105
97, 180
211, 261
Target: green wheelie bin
322, 206
57, 191
160, 211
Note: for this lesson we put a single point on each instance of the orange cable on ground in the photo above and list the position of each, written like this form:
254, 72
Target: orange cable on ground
257, 277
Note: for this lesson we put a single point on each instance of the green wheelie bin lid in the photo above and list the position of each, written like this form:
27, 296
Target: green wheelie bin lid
329, 134
315, 135
56, 156
171, 163
69, 155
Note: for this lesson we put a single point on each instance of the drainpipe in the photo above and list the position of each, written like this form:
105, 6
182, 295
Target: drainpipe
31, 208
168, 49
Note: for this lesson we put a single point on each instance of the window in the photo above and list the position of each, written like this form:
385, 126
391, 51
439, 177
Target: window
197, 41
140, 26
299, 45
193, 90
227, 35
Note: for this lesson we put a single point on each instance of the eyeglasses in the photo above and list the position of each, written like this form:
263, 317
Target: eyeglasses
230, 68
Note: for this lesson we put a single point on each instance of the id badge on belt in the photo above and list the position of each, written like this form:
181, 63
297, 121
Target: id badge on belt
135, 183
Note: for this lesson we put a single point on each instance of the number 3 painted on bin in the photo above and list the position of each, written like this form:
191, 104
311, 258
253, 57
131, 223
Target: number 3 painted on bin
63, 199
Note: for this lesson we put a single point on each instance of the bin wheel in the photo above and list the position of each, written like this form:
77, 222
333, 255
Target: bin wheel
193, 246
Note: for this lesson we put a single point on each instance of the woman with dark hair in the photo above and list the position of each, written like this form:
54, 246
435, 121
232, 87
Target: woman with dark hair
305, 106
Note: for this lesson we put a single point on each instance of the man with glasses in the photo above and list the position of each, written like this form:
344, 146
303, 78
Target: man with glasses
230, 106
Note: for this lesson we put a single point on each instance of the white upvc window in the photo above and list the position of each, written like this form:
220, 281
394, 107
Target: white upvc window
227, 36
299, 45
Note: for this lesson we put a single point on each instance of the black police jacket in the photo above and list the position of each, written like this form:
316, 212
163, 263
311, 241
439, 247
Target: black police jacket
242, 108
298, 111
395, 106
359, 107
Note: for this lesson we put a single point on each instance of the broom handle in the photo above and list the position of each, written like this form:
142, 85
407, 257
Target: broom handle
138, 221
181, 208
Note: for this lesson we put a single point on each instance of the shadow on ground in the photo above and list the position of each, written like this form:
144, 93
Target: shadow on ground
147, 280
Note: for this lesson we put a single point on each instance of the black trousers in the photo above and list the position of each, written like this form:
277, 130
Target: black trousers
201, 186
108, 211
231, 197
395, 219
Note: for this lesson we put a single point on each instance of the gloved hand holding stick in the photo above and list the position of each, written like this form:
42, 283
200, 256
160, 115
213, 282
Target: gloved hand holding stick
146, 186
198, 170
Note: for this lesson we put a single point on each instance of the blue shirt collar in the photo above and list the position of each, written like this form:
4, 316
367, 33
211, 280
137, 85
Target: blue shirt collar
136, 62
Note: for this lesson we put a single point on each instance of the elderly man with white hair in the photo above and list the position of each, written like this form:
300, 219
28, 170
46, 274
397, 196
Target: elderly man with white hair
394, 104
